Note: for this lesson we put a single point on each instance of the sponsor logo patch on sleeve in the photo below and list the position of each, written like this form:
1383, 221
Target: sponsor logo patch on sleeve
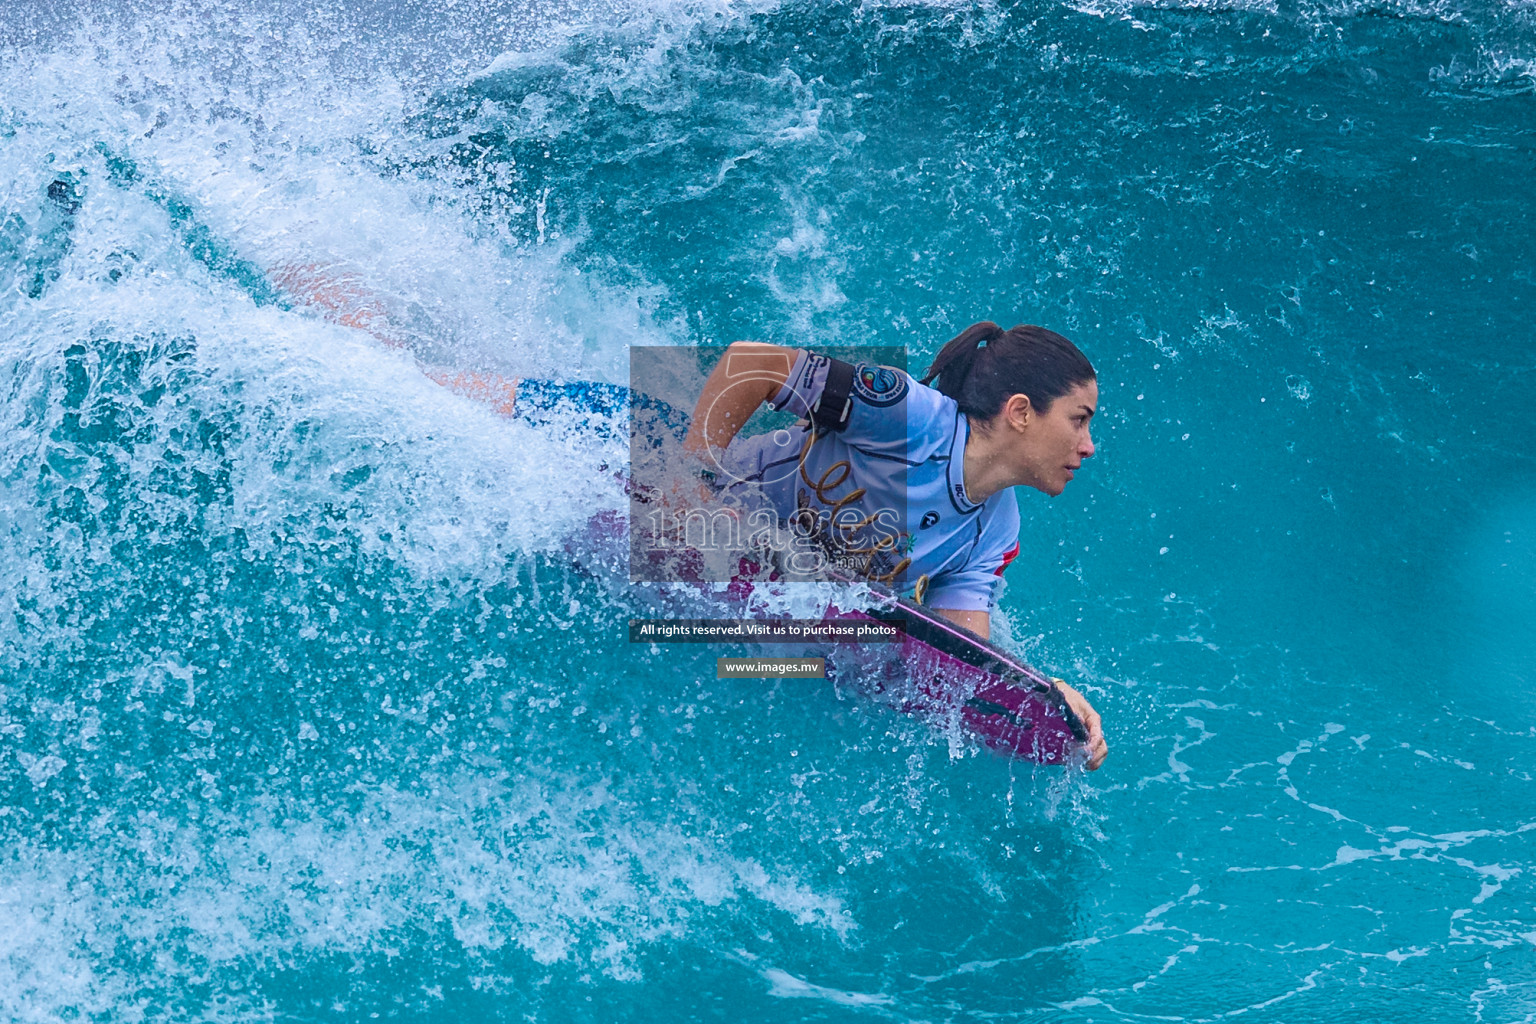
879, 385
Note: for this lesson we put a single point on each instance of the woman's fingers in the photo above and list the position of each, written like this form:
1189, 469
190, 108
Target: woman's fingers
1094, 747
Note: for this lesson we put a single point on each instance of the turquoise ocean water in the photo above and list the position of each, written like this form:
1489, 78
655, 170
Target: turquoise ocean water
304, 714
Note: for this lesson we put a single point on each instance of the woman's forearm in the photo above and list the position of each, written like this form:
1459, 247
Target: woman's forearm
979, 623
750, 373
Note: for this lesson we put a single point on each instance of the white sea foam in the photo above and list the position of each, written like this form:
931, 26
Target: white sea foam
554, 872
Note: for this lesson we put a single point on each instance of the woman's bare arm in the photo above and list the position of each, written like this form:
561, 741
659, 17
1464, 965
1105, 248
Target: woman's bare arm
979, 623
750, 373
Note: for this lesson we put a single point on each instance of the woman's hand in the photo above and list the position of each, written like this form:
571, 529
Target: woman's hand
1095, 747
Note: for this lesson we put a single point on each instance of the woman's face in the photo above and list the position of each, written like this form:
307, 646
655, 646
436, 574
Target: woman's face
1055, 442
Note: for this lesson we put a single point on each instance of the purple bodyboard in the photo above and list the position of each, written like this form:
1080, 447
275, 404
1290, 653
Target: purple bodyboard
938, 670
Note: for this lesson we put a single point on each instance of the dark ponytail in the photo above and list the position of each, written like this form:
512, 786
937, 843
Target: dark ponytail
985, 364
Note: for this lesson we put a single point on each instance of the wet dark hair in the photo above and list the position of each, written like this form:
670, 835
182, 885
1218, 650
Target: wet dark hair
984, 365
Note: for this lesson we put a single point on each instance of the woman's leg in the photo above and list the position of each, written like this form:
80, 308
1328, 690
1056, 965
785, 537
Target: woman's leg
339, 296
492, 389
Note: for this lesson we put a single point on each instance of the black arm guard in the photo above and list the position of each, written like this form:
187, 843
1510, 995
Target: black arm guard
831, 410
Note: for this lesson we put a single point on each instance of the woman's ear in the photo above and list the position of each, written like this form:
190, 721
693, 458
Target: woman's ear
1018, 411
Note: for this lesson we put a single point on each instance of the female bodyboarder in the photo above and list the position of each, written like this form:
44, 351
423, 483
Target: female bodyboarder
911, 483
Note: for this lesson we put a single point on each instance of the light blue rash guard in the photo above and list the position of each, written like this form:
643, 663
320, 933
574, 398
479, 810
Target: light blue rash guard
904, 443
